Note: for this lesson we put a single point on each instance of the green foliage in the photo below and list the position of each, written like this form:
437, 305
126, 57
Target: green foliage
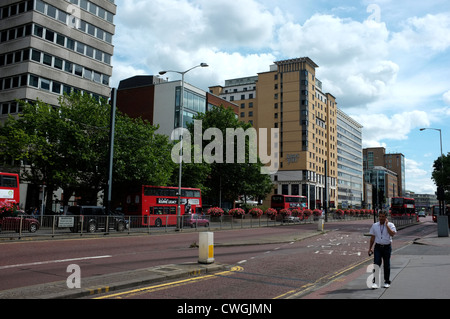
441, 174
232, 179
67, 147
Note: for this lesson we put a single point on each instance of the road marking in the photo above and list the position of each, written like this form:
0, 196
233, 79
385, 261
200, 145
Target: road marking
172, 284
54, 261
321, 281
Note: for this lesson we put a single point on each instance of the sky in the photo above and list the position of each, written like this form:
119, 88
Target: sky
387, 62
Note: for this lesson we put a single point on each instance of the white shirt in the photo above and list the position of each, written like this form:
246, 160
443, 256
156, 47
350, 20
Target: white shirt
381, 234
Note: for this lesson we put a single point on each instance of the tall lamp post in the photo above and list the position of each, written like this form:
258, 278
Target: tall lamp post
442, 219
201, 65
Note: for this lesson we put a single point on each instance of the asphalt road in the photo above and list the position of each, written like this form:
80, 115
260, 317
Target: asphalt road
269, 262
278, 271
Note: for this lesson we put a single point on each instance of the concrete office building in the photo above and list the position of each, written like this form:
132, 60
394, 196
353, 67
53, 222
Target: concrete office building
350, 162
289, 97
376, 156
50, 47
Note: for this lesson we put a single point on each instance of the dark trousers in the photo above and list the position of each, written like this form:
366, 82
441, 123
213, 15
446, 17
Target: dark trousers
383, 252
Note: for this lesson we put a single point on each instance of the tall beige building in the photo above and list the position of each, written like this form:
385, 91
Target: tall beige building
291, 98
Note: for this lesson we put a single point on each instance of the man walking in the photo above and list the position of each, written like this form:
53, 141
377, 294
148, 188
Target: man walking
381, 234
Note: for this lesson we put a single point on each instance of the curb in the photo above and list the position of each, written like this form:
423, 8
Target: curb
97, 285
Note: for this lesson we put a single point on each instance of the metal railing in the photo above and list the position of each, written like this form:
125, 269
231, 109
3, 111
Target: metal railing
66, 225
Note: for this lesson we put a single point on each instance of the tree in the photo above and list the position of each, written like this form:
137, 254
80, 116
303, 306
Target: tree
33, 138
67, 147
229, 180
441, 175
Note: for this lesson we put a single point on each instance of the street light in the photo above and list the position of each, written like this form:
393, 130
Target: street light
201, 65
442, 219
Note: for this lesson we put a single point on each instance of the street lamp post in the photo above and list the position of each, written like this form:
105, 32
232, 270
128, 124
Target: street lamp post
442, 219
202, 65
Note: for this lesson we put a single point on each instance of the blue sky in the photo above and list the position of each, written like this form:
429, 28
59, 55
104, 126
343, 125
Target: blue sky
387, 62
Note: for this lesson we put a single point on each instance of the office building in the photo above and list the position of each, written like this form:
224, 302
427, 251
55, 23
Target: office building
376, 156
385, 181
291, 98
349, 161
51, 47
158, 101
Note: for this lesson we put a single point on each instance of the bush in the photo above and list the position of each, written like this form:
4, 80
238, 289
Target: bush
307, 213
256, 212
236, 212
297, 213
215, 211
7, 209
285, 212
271, 212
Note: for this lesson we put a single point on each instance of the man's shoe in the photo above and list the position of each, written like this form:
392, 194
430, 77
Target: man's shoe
386, 285
374, 286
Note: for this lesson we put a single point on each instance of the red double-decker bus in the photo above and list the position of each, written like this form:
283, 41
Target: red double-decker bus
279, 202
403, 207
9, 188
157, 205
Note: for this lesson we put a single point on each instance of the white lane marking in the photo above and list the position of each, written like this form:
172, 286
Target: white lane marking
54, 261
242, 261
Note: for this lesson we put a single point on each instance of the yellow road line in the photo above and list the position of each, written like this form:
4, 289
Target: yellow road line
171, 284
328, 278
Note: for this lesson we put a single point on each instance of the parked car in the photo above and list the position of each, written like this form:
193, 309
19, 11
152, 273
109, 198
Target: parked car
13, 223
195, 220
92, 218
291, 219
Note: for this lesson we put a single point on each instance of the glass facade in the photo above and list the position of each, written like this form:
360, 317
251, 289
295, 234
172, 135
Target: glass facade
193, 104
350, 162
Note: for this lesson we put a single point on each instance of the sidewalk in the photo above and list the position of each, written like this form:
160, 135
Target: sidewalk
418, 271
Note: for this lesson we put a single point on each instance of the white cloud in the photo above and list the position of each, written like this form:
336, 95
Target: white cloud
446, 97
352, 56
123, 71
414, 168
418, 179
429, 32
380, 127
355, 58
231, 26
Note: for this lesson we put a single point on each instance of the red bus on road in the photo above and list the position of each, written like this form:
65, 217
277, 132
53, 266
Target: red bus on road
9, 188
279, 202
403, 207
157, 205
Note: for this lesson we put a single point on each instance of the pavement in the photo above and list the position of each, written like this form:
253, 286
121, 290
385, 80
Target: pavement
419, 270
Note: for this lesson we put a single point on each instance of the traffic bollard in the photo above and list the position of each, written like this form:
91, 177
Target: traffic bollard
206, 248
320, 224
